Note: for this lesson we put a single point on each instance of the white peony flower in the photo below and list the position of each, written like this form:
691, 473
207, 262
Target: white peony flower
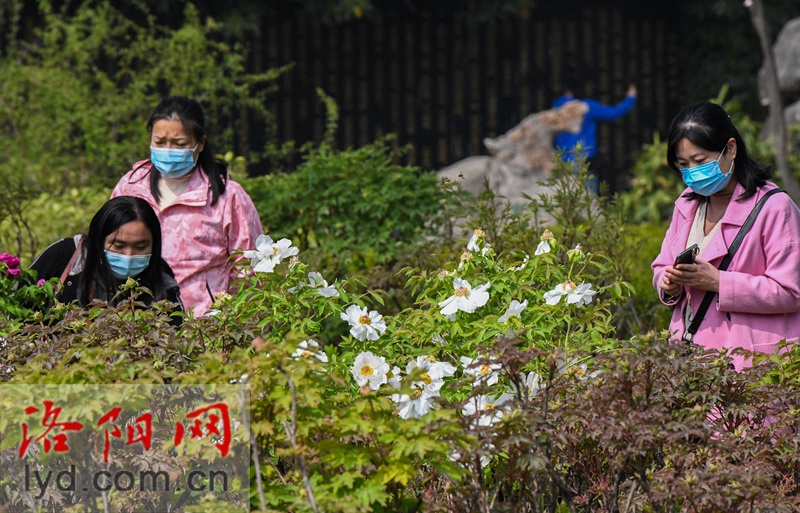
580, 295
483, 371
310, 348
315, 281
514, 309
284, 249
472, 245
369, 369
531, 383
364, 325
268, 254
433, 374
486, 409
393, 378
465, 298
581, 371
552, 297
415, 404
543, 247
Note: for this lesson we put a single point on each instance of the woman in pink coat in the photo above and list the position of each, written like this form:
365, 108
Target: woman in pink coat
757, 301
205, 216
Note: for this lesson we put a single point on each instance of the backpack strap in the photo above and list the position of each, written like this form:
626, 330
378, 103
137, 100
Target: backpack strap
78, 249
688, 336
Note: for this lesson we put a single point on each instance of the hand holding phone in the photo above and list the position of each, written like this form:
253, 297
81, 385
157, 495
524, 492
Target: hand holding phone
687, 256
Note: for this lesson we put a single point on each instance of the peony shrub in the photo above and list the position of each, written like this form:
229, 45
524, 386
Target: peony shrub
503, 387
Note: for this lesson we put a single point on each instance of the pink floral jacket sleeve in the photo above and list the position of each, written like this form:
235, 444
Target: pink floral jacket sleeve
199, 238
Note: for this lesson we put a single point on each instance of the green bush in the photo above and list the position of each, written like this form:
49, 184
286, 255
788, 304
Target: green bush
47, 218
351, 210
75, 97
552, 413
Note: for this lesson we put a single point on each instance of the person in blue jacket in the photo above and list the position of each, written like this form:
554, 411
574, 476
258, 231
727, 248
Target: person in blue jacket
567, 142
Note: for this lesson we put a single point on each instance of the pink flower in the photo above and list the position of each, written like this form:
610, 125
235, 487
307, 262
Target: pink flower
41, 282
12, 263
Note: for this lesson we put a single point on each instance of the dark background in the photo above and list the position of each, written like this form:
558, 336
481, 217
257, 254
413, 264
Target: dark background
444, 74
442, 80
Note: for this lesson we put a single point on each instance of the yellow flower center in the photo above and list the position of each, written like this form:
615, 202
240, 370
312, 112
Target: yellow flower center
415, 394
547, 235
274, 250
462, 292
580, 372
488, 407
305, 354
426, 378
364, 319
567, 285
367, 370
485, 369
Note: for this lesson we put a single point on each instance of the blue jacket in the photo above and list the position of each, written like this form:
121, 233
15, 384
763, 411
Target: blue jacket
565, 141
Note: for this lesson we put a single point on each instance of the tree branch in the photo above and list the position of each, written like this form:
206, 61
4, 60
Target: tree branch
791, 186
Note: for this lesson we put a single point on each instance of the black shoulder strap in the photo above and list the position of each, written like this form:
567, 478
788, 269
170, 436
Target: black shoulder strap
709, 297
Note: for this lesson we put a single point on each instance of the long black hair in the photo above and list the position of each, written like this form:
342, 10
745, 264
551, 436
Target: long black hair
708, 126
97, 280
191, 116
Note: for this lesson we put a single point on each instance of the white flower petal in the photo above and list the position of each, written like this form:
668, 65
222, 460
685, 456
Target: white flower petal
543, 247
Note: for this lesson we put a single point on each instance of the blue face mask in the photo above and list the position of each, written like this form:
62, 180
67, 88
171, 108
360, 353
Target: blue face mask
124, 266
173, 162
707, 179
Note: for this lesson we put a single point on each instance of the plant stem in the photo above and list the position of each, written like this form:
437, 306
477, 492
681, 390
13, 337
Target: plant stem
290, 430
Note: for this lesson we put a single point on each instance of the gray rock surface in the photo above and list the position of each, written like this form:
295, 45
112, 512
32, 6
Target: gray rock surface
521, 158
787, 61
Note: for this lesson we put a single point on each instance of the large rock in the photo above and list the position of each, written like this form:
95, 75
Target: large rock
787, 62
521, 158
791, 114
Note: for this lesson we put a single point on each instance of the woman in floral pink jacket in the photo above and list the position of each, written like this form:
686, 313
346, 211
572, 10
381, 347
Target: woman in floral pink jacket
757, 301
205, 216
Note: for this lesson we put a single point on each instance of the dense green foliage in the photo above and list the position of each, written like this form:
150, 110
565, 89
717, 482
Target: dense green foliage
584, 406
74, 99
563, 416
359, 205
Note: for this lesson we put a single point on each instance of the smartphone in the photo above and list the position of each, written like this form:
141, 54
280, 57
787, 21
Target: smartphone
687, 256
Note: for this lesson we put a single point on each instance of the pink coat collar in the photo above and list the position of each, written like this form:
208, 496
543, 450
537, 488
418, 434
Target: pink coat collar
195, 195
735, 216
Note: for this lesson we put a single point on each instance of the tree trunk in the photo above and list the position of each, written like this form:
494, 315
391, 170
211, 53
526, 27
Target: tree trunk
791, 186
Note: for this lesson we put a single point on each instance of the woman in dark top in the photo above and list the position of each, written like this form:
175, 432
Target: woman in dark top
124, 241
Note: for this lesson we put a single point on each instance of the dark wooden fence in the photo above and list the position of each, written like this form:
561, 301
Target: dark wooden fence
441, 81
